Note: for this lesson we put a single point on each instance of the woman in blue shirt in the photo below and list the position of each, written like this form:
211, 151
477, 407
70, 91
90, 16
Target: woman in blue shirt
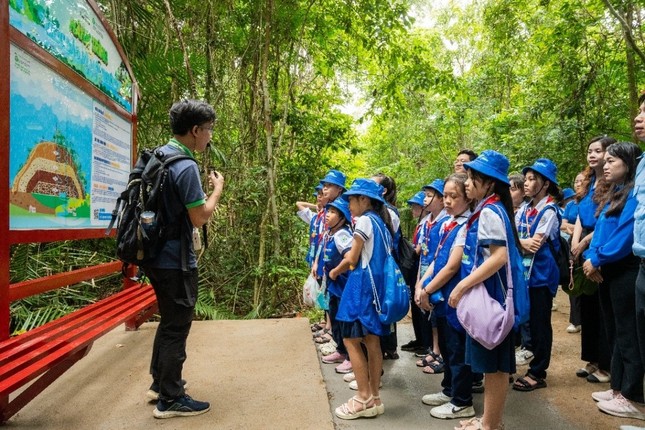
594, 348
610, 262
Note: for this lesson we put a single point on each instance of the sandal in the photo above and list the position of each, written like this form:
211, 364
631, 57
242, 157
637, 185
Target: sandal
390, 355
434, 368
317, 327
322, 332
347, 412
380, 409
430, 358
323, 339
474, 424
521, 384
587, 370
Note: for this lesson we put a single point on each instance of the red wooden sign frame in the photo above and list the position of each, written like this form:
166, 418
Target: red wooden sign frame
8, 36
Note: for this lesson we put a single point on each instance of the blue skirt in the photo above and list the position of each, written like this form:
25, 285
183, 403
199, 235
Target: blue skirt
499, 359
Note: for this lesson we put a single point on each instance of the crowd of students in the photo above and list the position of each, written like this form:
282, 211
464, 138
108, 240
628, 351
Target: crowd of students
467, 225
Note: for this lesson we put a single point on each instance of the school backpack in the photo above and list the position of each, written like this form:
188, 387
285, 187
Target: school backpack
142, 229
408, 260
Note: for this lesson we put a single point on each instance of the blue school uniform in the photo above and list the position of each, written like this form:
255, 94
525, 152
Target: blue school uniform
430, 241
544, 270
316, 230
334, 249
356, 308
449, 231
502, 357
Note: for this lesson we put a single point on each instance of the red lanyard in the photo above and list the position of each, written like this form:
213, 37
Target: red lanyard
475, 216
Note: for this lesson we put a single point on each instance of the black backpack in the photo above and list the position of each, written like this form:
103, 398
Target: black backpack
140, 242
408, 261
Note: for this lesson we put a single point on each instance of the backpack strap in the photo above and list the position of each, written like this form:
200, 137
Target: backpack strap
549, 241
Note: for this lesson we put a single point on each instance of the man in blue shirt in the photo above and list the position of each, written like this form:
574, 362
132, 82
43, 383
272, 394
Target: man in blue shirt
173, 273
639, 228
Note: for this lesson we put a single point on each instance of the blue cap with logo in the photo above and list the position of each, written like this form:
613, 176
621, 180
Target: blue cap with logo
417, 199
492, 164
365, 187
568, 193
342, 206
436, 185
335, 177
544, 167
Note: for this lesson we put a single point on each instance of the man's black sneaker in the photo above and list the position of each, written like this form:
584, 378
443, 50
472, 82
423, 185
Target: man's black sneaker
183, 406
411, 346
153, 391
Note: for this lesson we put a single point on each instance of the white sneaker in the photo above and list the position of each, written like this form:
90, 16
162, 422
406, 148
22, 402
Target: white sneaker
436, 399
523, 356
349, 377
603, 396
354, 385
621, 407
448, 411
573, 328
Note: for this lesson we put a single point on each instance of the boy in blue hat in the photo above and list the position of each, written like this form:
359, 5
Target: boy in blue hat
538, 226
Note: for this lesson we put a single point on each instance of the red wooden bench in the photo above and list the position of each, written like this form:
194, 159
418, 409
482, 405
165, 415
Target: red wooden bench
30, 362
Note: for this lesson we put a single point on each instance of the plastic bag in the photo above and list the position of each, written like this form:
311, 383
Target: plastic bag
310, 291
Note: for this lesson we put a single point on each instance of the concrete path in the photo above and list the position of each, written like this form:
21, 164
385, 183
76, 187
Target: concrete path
260, 374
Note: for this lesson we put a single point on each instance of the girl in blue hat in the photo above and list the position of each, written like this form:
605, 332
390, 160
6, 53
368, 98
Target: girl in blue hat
455, 400
489, 231
336, 243
538, 225
360, 323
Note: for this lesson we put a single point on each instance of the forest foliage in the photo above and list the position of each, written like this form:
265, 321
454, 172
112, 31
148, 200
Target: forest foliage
366, 86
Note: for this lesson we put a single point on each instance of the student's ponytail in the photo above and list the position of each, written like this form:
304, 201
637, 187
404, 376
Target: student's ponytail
504, 193
382, 211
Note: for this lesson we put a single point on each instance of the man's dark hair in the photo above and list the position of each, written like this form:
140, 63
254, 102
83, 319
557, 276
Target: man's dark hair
471, 154
186, 114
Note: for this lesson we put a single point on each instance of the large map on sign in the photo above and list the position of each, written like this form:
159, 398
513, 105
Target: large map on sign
71, 32
69, 154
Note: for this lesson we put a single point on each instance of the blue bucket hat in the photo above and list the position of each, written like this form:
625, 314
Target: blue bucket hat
417, 199
436, 185
544, 167
491, 163
365, 187
335, 177
568, 193
342, 206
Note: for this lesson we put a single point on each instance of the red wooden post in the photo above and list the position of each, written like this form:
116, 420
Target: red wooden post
4, 170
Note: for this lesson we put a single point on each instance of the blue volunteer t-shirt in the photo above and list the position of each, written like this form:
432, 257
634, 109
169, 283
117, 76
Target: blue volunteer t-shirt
184, 191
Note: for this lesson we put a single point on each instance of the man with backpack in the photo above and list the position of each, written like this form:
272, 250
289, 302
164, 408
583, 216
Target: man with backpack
173, 272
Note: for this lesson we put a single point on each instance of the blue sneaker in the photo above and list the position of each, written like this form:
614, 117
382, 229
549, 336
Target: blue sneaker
183, 406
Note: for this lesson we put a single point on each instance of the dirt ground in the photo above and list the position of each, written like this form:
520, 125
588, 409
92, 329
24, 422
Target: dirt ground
566, 392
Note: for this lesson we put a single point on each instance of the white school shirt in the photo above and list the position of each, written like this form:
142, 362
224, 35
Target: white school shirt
306, 215
548, 222
491, 227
